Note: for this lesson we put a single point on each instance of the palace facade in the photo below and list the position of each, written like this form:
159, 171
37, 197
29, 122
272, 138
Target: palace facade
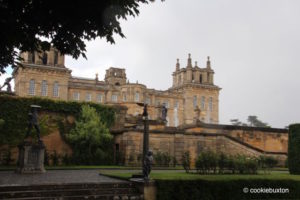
193, 95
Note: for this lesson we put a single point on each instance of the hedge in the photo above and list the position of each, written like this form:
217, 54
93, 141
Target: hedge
225, 189
14, 111
294, 149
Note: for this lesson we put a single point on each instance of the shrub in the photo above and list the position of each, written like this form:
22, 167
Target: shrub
294, 149
267, 162
207, 162
271, 162
186, 161
91, 141
210, 162
162, 159
174, 161
7, 157
251, 166
223, 162
55, 158
66, 159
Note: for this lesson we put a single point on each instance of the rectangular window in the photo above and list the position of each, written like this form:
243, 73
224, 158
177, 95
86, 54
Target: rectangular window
176, 104
202, 102
55, 89
76, 96
114, 98
195, 101
32, 87
99, 98
124, 97
88, 97
166, 104
137, 97
44, 88
148, 101
210, 105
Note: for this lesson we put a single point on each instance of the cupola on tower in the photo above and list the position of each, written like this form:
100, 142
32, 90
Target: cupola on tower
193, 74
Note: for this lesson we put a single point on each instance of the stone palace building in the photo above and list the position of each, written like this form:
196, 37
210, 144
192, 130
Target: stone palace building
193, 95
192, 119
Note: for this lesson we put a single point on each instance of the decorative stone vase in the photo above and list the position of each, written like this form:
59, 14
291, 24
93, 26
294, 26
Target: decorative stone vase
31, 157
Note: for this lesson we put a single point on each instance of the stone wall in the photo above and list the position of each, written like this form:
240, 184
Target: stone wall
231, 140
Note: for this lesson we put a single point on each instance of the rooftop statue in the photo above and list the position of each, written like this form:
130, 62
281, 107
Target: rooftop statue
7, 83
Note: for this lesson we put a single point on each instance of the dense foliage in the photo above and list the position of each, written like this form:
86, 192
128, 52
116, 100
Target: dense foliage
65, 24
294, 149
210, 162
219, 189
14, 112
163, 159
91, 141
186, 161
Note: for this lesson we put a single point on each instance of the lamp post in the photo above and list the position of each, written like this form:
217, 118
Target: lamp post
147, 155
146, 133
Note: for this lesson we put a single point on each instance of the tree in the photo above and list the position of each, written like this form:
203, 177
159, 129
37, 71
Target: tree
64, 24
236, 122
252, 121
91, 140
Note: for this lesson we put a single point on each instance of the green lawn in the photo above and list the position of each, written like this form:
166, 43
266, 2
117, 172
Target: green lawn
180, 175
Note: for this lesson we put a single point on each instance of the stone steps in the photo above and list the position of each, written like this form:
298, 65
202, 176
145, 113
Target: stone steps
72, 191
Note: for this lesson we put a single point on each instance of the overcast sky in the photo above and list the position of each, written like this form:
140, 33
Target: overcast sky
254, 47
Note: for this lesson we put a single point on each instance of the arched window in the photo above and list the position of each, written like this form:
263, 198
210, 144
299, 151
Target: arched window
192, 77
45, 58
32, 87
44, 88
55, 57
200, 78
55, 89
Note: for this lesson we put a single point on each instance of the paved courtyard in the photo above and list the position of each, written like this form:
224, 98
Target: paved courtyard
55, 176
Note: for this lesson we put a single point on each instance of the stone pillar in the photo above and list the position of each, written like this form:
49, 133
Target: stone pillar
147, 188
31, 158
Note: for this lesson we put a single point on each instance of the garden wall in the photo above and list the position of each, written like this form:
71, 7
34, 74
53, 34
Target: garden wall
200, 137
